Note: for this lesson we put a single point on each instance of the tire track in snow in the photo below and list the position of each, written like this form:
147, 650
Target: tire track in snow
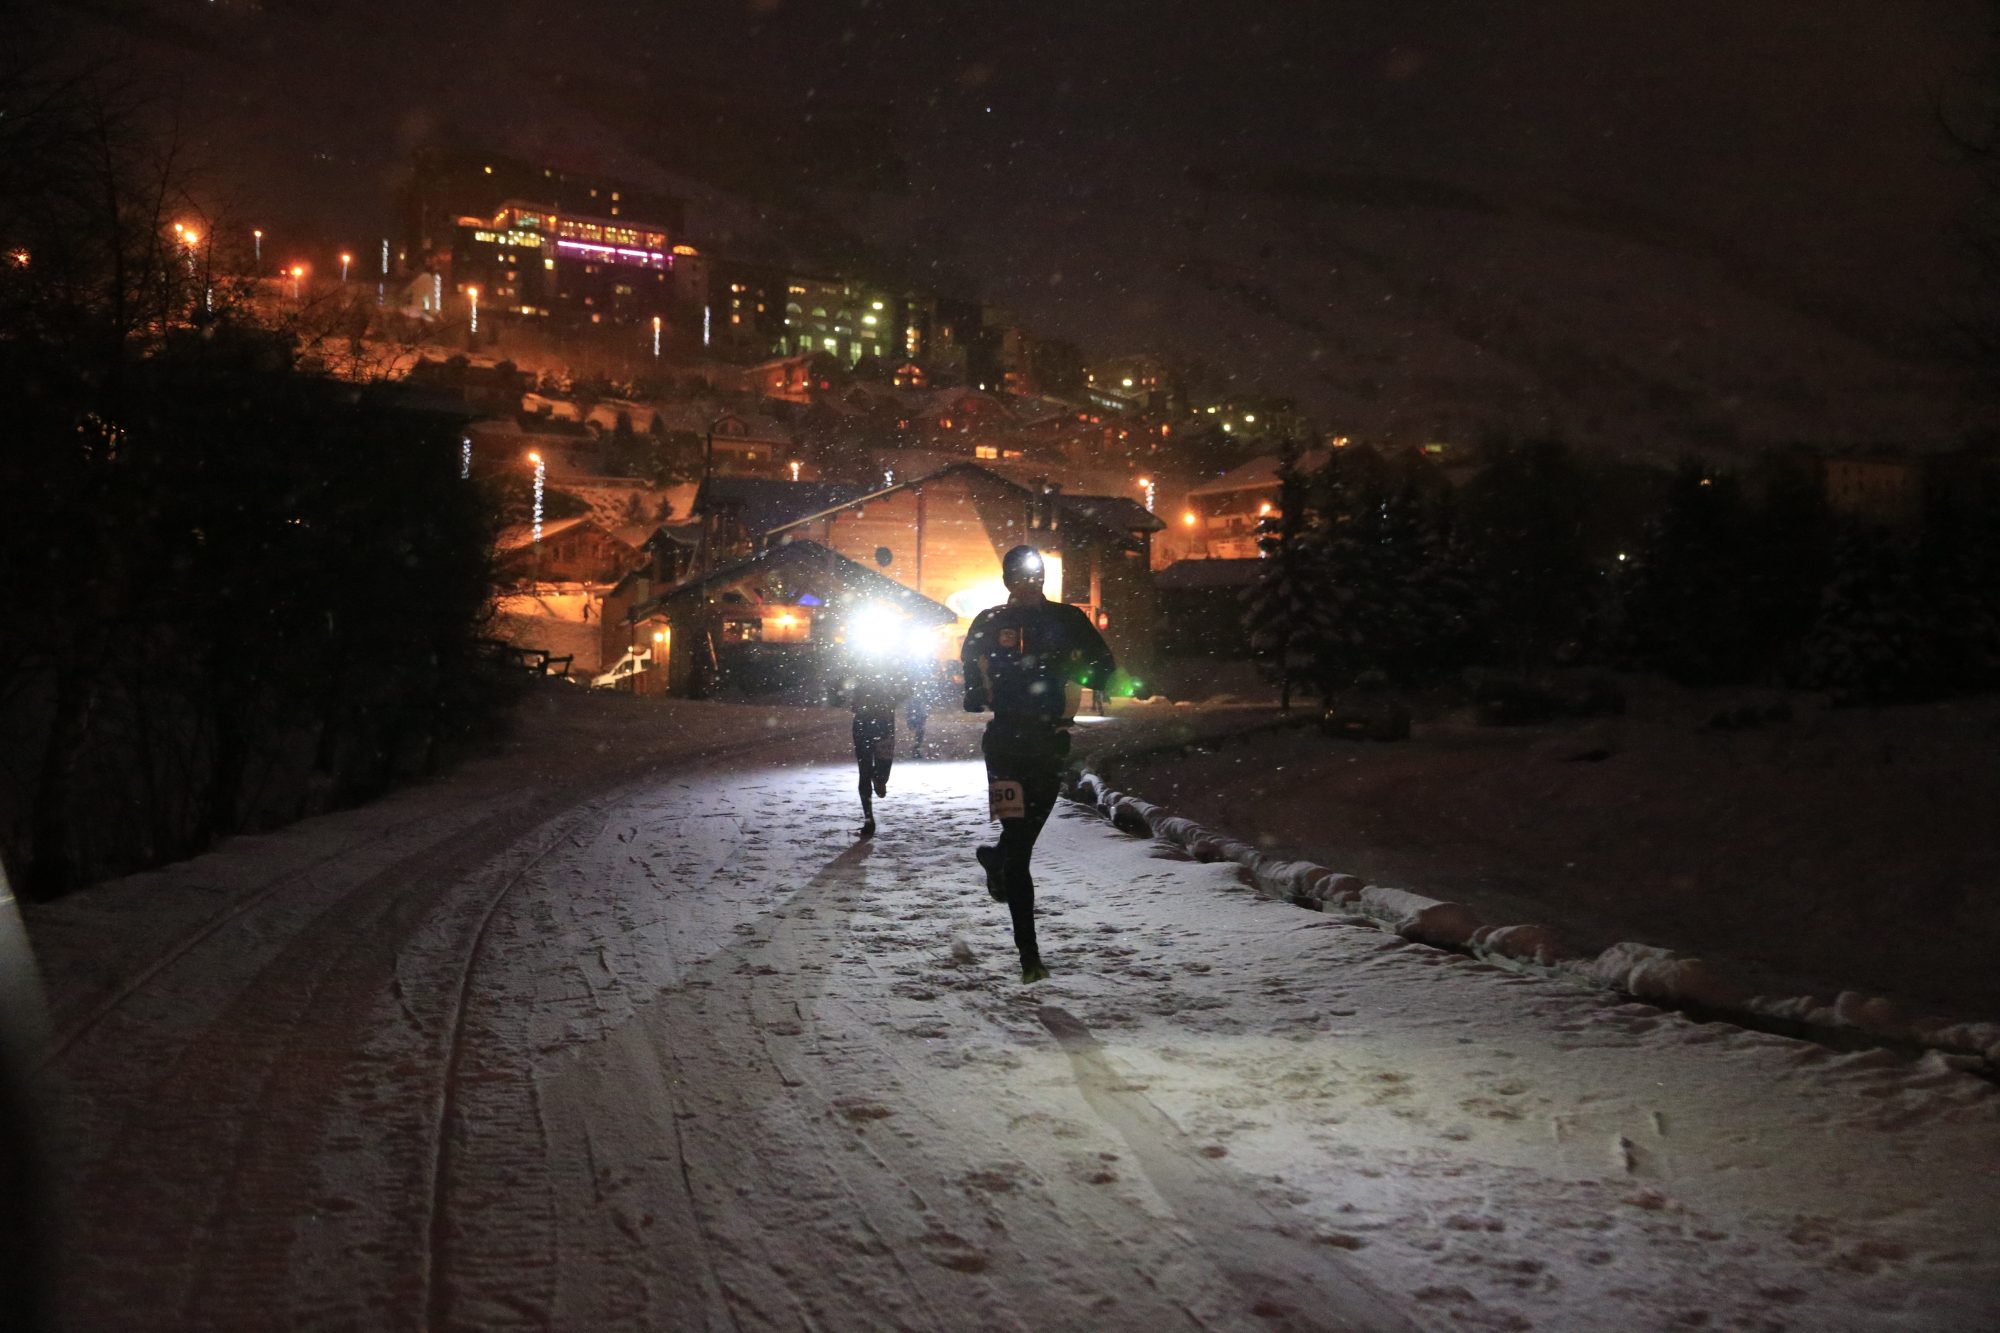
217, 1168
437, 1291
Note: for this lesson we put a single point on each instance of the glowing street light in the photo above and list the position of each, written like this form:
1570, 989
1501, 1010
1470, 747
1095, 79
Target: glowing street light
345, 260
257, 238
298, 272
473, 294
795, 469
656, 336
1146, 485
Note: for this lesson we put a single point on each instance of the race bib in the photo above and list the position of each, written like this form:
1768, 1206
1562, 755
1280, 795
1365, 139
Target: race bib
1005, 800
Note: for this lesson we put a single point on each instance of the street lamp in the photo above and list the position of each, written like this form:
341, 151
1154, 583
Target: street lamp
656, 337
298, 271
345, 260
472, 293
1146, 485
257, 238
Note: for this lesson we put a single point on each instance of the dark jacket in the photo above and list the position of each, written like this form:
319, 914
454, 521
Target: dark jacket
1020, 656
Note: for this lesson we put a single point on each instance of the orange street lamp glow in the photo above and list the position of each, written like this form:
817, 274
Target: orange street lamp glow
298, 271
345, 260
1188, 518
257, 235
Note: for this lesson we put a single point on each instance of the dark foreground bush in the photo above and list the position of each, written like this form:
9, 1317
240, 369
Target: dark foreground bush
243, 594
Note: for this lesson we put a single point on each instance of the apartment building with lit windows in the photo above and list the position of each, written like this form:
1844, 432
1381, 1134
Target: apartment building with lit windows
532, 261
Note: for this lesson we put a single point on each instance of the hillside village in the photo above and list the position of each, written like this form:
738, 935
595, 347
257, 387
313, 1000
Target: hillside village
669, 419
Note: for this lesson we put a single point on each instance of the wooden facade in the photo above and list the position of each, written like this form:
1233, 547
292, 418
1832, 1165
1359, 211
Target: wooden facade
577, 550
943, 536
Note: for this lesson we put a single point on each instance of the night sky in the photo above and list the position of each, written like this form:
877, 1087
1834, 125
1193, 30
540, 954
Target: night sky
1776, 167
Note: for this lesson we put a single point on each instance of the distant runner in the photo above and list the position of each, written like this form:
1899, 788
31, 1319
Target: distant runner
1028, 660
873, 693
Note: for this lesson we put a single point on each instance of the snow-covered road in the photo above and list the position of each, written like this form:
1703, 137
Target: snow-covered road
667, 1049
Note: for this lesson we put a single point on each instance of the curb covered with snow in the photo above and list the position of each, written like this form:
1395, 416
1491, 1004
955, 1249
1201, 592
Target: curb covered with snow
1642, 971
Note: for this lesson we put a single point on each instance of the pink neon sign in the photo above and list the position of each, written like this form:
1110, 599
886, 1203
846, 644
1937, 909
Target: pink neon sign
653, 257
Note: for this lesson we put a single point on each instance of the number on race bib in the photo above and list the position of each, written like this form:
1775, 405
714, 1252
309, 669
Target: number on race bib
1005, 800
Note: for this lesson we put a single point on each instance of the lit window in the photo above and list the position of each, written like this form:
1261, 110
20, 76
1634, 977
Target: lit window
985, 451
736, 319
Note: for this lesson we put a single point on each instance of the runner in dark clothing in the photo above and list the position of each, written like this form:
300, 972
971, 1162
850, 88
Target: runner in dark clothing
917, 712
1028, 660
873, 696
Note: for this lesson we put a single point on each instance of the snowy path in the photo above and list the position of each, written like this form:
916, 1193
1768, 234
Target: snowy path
679, 1054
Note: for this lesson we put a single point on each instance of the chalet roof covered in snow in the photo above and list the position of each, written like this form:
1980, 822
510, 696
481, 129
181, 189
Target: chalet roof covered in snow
764, 503
1188, 575
832, 573
1259, 472
1113, 511
1120, 518
518, 535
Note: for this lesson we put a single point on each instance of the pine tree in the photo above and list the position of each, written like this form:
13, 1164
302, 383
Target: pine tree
1523, 541
1879, 635
1685, 608
1284, 618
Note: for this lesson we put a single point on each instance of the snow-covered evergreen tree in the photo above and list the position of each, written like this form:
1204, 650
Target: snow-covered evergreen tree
1396, 602
1879, 636
1285, 616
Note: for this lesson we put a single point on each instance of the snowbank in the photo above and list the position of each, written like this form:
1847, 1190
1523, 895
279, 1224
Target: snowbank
1643, 971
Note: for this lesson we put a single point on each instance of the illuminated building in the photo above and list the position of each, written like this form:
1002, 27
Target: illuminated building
534, 262
1130, 384
758, 310
444, 185
844, 318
